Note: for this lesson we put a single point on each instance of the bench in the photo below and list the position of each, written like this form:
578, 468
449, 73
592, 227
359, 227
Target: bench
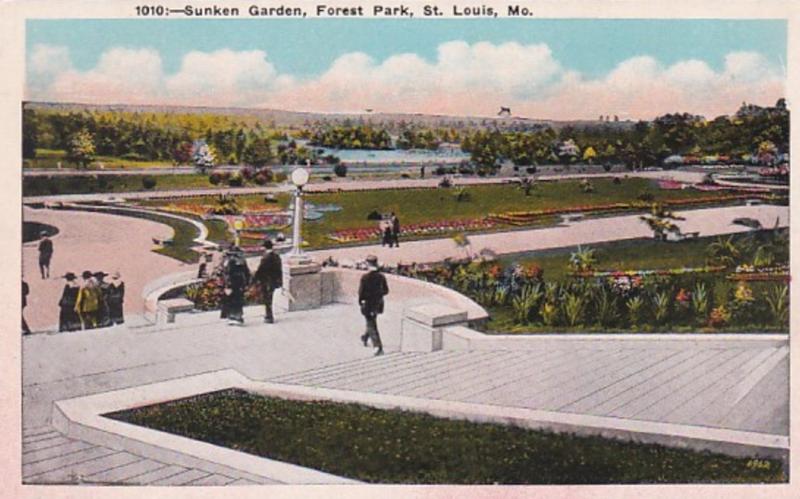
174, 306
682, 236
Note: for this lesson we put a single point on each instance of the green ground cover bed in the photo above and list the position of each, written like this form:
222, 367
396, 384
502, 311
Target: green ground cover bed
415, 206
381, 446
82, 184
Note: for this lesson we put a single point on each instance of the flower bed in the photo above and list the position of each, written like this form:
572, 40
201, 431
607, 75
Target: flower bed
751, 273
658, 272
428, 228
526, 217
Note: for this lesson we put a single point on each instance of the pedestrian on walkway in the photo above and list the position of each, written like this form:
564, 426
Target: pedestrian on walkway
25, 292
45, 255
103, 310
371, 291
269, 277
116, 297
395, 230
236, 281
222, 273
386, 233
88, 301
68, 319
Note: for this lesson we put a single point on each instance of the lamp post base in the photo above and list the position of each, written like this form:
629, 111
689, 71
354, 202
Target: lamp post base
302, 284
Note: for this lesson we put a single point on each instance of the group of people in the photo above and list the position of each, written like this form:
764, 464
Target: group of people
91, 303
236, 278
390, 231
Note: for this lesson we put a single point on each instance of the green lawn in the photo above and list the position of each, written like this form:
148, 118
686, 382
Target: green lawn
46, 186
622, 255
428, 205
381, 446
49, 158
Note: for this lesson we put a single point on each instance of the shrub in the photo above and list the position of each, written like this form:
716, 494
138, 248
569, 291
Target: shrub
661, 303
215, 178
445, 183
719, 317
700, 301
607, 167
439, 170
606, 311
327, 178
530, 170
374, 215
526, 302
777, 299
340, 170
248, 172
404, 175
549, 314
646, 196
635, 306
573, 309
149, 182
260, 179
617, 181
236, 180
461, 194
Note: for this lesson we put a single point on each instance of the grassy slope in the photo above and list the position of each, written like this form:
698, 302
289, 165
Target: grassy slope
401, 447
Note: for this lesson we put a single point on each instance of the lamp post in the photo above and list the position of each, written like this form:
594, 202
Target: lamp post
299, 179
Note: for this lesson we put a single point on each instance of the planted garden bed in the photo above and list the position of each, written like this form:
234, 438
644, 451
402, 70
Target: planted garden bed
381, 446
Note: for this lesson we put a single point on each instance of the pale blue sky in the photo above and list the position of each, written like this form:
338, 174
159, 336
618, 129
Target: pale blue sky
307, 47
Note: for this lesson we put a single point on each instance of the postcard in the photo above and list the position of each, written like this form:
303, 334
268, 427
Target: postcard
323, 248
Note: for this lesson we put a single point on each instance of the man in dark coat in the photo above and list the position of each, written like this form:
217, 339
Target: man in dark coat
371, 291
25, 291
45, 254
236, 280
395, 231
269, 277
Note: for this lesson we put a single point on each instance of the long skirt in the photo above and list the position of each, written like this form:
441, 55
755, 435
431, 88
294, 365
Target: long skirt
68, 319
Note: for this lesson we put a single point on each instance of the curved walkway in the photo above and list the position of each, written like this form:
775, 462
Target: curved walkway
708, 222
93, 241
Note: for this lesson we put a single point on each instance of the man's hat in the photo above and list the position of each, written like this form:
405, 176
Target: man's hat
116, 275
372, 260
267, 244
86, 274
69, 276
100, 274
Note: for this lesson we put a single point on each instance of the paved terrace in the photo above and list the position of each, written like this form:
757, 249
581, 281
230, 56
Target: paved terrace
700, 385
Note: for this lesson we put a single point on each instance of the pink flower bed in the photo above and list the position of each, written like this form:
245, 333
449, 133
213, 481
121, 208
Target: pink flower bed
426, 228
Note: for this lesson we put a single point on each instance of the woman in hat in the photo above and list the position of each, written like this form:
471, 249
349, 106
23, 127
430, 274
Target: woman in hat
103, 310
88, 301
116, 296
68, 319
237, 279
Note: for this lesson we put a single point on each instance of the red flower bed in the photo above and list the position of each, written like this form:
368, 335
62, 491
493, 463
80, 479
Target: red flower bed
364, 234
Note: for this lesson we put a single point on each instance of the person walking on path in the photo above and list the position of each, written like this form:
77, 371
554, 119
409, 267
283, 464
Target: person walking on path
103, 311
395, 230
386, 232
371, 291
269, 277
68, 319
25, 292
45, 255
116, 297
88, 301
236, 281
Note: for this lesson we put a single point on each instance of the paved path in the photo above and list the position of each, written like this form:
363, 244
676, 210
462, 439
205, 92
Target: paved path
724, 387
708, 222
93, 241
349, 184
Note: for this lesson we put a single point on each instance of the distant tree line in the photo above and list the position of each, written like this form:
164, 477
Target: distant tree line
752, 131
